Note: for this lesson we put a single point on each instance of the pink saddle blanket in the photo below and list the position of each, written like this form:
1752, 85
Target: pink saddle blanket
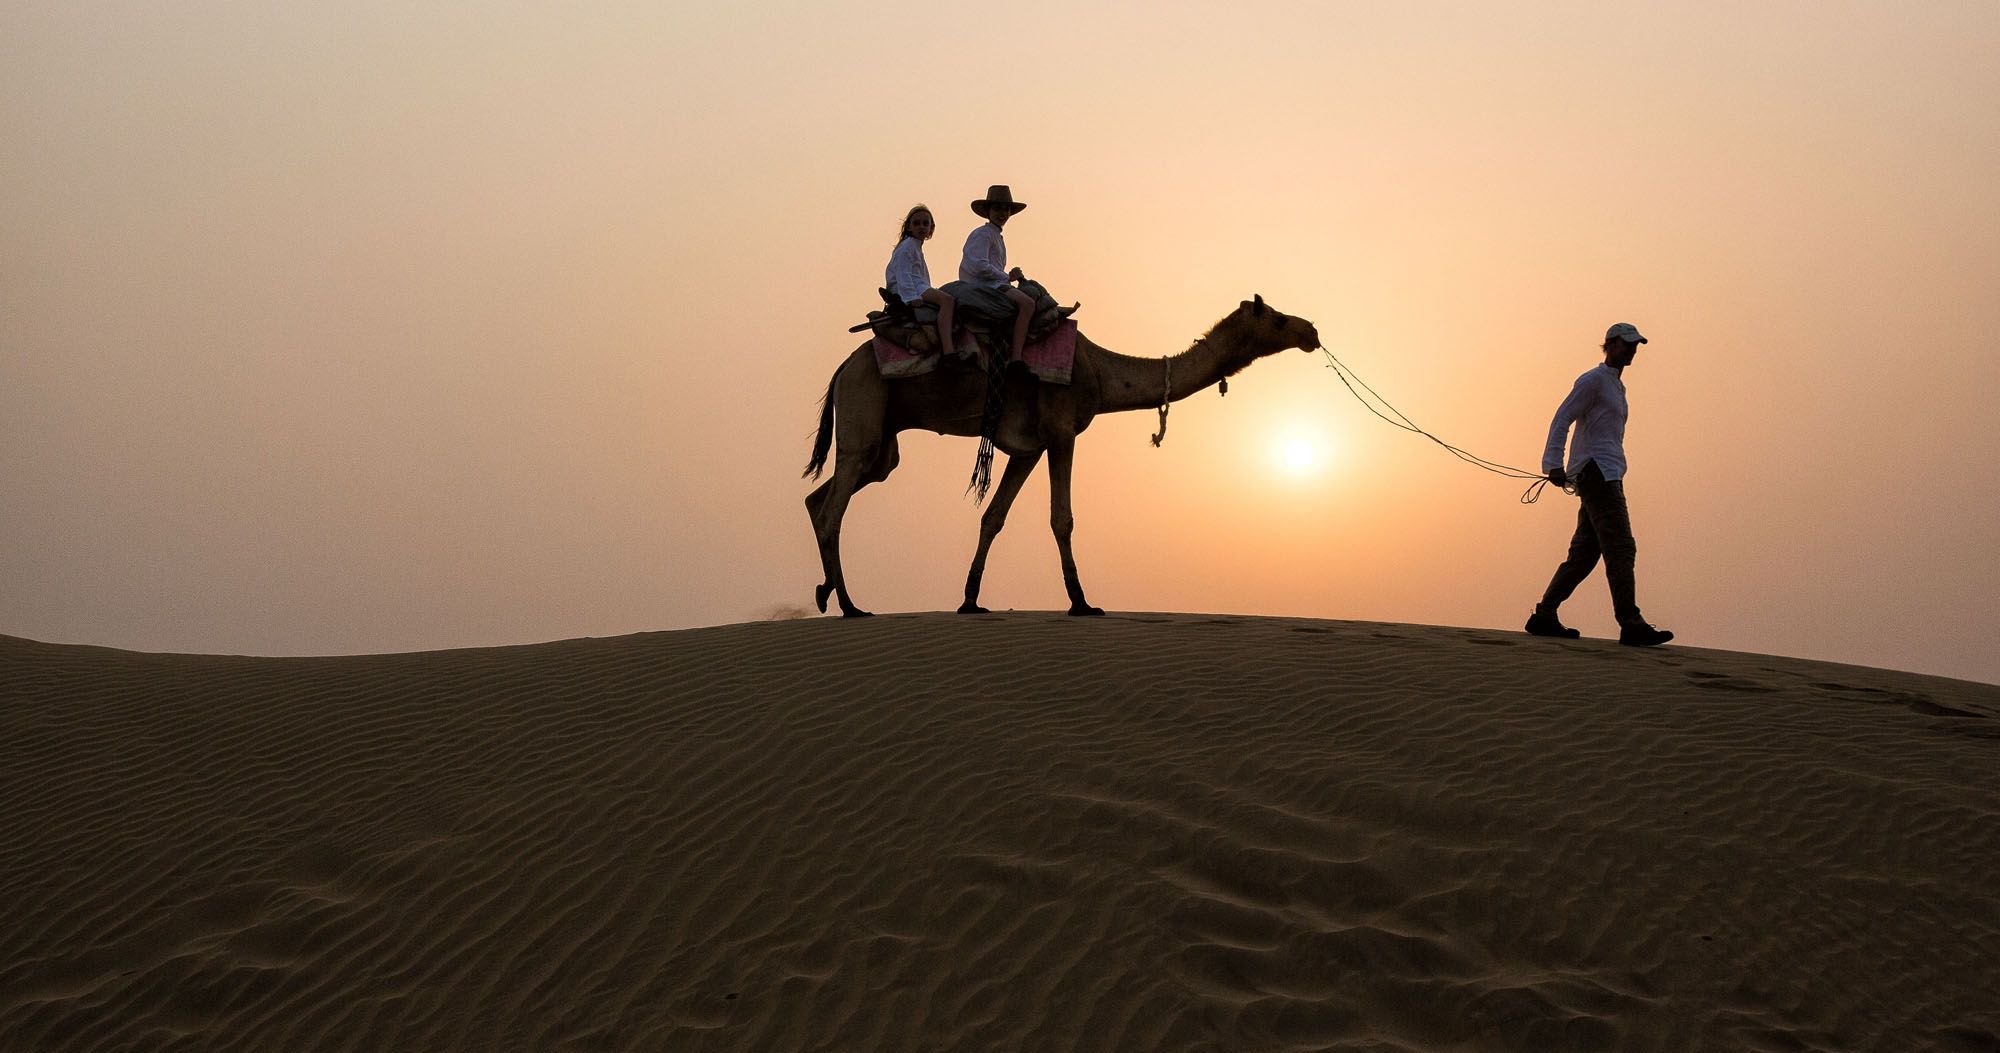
1050, 359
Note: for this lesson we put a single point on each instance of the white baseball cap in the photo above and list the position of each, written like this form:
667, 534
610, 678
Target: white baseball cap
1625, 331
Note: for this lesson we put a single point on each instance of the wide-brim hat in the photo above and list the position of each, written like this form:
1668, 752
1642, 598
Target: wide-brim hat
999, 195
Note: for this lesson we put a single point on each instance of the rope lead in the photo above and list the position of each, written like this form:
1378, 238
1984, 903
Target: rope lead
1348, 377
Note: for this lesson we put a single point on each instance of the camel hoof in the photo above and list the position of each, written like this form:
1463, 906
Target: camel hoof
969, 607
820, 593
1084, 610
856, 612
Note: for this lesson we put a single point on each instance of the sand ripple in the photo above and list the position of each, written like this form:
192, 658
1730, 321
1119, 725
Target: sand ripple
1007, 832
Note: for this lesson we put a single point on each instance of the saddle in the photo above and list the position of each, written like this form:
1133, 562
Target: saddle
914, 329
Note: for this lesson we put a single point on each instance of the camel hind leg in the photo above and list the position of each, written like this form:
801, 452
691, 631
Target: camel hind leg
815, 509
854, 469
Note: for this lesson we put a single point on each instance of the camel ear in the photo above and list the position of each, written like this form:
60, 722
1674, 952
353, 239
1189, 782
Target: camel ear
1258, 307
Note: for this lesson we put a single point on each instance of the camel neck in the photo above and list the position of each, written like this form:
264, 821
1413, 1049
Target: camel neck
1130, 383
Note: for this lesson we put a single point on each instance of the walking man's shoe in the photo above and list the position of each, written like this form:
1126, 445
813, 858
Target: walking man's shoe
1643, 635
1540, 624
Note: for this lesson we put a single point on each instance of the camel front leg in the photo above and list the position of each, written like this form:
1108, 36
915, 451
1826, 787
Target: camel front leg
1062, 522
1017, 472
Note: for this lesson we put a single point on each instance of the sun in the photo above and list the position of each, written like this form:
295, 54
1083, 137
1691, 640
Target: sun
1298, 455
1297, 449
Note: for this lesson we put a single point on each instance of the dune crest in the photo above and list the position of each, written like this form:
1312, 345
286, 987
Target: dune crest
1015, 831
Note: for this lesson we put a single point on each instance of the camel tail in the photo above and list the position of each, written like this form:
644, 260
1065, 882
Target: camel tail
824, 440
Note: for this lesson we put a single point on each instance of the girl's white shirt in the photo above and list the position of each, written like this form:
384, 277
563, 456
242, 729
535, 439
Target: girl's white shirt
908, 276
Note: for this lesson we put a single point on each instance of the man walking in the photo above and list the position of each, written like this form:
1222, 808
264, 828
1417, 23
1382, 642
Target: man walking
1596, 406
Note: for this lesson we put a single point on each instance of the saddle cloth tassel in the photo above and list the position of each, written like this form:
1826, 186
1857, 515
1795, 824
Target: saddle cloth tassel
989, 425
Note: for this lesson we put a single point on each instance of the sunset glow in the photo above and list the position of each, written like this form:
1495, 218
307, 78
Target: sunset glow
332, 328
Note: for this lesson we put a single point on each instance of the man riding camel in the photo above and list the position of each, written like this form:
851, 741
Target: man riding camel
982, 289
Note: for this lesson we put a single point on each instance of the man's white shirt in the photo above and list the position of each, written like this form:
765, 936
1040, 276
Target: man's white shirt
985, 259
1596, 406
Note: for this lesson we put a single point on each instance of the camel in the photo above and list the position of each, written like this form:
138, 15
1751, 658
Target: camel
1039, 418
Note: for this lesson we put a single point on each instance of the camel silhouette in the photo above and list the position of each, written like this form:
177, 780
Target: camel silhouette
1038, 418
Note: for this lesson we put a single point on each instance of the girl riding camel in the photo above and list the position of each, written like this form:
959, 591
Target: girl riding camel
908, 277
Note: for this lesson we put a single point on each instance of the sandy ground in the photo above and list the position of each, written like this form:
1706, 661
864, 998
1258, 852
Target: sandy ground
1011, 832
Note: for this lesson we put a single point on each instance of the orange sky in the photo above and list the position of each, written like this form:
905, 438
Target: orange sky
336, 328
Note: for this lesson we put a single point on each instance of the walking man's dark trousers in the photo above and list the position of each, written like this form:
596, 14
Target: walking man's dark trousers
1603, 530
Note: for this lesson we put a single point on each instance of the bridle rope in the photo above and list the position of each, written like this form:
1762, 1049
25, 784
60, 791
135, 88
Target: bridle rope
1347, 376
1537, 482
1166, 398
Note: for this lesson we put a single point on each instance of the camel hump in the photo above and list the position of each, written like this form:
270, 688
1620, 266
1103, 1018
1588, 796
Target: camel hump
902, 332
1051, 359
987, 314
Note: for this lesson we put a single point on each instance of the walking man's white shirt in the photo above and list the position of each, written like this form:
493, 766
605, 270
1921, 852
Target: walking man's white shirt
1596, 405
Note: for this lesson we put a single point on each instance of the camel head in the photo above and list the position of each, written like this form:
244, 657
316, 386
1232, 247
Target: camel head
1256, 329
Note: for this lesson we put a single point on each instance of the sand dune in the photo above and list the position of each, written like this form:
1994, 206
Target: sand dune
1011, 832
